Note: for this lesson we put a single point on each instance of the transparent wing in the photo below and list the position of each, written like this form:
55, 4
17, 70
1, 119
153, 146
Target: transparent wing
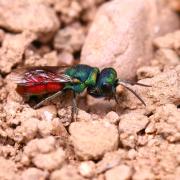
39, 75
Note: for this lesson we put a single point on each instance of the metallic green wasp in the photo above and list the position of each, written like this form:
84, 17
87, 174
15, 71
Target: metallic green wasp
57, 80
107, 82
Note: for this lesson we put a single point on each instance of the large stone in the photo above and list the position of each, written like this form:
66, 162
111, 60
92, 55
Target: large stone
132, 122
122, 33
122, 172
91, 140
13, 48
67, 172
34, 173
8, 169
129, 126
20, 15
50, 161
164, 90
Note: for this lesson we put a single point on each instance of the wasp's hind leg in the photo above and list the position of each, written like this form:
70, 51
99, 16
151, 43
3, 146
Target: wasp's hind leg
48, 99
74, 111
115, 96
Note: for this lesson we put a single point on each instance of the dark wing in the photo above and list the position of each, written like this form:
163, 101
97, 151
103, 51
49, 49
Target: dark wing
39, 75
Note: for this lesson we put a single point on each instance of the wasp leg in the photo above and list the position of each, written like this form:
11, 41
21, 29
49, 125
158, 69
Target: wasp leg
74, 112
48, 99
115, 96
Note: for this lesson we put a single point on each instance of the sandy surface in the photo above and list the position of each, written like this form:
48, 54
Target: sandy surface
108, 141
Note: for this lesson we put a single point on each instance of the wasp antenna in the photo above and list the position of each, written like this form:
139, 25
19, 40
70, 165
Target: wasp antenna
133, 83
123, 83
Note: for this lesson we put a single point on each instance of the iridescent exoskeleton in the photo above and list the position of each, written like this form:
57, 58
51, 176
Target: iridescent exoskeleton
57, 80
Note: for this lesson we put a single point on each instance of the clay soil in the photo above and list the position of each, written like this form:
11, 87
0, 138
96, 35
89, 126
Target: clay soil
107, 141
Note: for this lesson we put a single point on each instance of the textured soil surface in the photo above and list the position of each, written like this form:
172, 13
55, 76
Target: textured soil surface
108, 141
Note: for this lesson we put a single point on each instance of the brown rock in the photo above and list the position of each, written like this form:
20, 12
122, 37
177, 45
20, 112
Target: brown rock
54, 127
167, 19
2, 35
11, 109
165, 89
147, 72
45, 128
58, 128
143, 174
132, 153
111, 160
27, 131
167, 57
128, 140
7, 151
170, 40
83, 116
121, 172
65, 115
168, 53
13, 48
122, 33
39, 146
50, 161
174, 4
150, 128
70, 10
132, 122
167, 123
47, 113
23, 121
8, 169
70, 38
35, 174
66, 173
20, 15
112, 117
177, 173
66, 58
87, 169
49, 59
91, 140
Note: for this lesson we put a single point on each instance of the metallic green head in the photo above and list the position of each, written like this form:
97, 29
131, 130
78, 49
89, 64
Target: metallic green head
105, 85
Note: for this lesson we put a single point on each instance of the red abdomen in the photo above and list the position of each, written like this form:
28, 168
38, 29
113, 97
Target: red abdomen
38, 83
39, 89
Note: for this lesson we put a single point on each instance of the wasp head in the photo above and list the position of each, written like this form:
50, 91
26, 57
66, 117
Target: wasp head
105, 85
107, 82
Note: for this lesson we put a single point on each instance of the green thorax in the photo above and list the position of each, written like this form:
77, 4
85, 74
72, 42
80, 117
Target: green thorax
87, 76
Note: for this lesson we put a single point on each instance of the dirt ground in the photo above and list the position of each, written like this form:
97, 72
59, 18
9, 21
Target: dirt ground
108, 141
